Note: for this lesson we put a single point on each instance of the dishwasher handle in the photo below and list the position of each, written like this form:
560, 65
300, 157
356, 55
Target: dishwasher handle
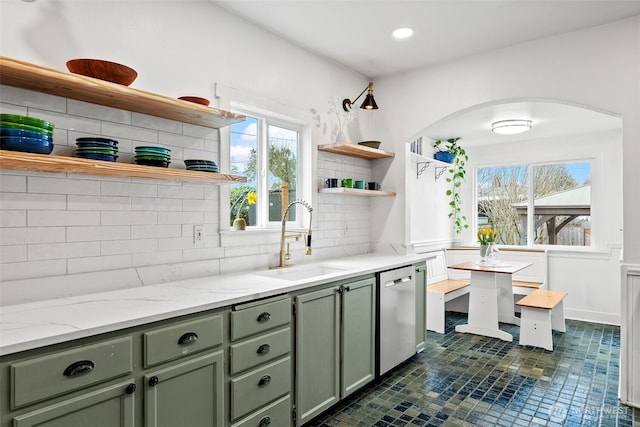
397, 282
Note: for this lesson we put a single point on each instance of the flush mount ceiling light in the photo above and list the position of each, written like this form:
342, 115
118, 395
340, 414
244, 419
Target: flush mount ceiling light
368, 104
402, 32
511, 127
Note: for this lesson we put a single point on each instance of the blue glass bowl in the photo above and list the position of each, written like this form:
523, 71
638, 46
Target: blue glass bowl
27, 145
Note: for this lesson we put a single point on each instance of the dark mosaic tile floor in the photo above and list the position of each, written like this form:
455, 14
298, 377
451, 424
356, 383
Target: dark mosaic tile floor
468, 380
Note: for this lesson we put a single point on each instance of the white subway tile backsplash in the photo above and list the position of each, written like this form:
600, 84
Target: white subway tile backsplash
155, 204
99, 112
13, 253
27, 235
61, 185
113, 247
63, 250
32, 201
9, 218
180, 218
67, 122
156, 258
52, 218
156, 123
13, 183
180, 192
151, 231
200, 132
98, 263
128, 218
198, 254
30, 269
142, 135
180, 141
128, 189
98, 203
24, 98
98, 233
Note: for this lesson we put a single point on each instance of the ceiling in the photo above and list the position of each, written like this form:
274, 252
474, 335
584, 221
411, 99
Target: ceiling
357, 33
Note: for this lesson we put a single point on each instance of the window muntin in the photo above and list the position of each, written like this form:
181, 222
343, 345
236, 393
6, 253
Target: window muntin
266, 151
549, 202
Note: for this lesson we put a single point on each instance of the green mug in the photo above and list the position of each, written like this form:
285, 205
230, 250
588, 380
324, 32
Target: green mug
347, 183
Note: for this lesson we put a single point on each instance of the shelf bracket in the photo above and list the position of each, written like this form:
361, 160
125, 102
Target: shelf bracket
438, 171
421, 167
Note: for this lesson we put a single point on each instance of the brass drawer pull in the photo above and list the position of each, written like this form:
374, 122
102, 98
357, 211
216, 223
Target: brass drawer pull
264, 422
264, 317
264, 380
188, 338
79, 367
263, 349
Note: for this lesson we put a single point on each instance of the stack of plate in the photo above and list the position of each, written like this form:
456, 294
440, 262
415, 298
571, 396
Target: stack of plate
153, 156
97, 148
201, 165
23, 133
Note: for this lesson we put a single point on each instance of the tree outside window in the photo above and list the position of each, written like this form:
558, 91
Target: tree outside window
555, 198
260, 144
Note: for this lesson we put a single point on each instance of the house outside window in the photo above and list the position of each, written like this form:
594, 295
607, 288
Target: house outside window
541, 204
267, 151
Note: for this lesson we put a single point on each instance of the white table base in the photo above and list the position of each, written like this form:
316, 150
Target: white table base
490, 302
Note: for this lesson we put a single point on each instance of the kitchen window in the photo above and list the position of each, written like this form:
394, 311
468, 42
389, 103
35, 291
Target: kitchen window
541, 204
267, 151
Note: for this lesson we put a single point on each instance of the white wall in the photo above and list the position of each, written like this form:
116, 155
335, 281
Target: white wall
63, 234
598, 68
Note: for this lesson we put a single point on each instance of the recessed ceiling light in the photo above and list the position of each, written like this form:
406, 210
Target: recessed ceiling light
511, 127
402, 32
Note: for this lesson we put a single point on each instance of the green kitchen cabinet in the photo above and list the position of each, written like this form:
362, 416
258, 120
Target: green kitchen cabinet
335, 344
111, 406
421, 306
188, 393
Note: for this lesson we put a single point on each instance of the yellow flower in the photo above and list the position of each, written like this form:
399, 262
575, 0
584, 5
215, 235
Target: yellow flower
252, 198
487, 235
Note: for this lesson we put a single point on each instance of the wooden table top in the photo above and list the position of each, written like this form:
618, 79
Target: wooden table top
506, 267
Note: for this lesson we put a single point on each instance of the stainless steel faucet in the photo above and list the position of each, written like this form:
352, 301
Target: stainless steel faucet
283, 255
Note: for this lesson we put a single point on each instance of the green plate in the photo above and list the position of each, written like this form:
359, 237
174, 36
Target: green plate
21, 126
26, 120
156, 150
97, 150
153, 157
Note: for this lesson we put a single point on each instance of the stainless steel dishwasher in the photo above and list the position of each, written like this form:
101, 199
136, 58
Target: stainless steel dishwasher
396, 317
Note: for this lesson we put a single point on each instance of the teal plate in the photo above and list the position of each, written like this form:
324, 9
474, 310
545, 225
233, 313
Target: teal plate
157, 150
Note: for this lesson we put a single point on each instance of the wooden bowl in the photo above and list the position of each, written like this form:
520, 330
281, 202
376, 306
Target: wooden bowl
195, 99
103, 70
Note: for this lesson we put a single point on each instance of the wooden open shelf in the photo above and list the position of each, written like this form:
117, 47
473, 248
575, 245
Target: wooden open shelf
355, 150
357, 192
54, 82
62, 164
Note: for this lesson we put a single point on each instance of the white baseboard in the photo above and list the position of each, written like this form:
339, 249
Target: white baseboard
592, 316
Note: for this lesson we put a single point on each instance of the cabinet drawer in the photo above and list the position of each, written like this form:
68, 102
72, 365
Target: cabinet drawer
277, 414
182, 339
256, 388
262, 349
54, 374
252, 320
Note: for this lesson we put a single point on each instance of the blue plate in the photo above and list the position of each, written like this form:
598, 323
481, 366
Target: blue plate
24, 133
97, 144
28, 145
98, 156
96, 139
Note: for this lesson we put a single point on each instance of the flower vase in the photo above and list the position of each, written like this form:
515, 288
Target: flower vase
485, 252
342, 138
239, 224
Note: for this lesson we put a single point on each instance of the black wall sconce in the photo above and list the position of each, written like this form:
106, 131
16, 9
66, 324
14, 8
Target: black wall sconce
368, 104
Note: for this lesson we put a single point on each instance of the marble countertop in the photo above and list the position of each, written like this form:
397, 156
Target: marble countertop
38, 324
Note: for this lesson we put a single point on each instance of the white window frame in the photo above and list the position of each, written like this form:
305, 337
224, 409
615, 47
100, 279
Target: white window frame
304, 161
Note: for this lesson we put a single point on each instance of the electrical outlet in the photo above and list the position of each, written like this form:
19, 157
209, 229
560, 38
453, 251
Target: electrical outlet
198, 234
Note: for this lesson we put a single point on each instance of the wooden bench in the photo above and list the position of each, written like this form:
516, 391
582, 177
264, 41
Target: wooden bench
542, 312
441, 290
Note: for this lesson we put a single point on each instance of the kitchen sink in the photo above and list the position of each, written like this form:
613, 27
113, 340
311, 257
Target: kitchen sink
304, 271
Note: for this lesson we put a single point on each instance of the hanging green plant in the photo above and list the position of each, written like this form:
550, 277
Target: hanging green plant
457, 173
